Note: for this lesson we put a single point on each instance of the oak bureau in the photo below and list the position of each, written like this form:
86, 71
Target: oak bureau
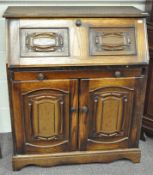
77, 78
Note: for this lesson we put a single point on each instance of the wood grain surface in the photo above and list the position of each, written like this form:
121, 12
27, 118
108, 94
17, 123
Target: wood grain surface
72, 11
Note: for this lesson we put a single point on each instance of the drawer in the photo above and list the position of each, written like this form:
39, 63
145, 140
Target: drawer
40, 75
112, 41
44, 42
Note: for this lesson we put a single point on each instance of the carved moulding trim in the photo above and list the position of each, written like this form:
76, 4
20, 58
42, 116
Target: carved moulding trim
46, 146
107, 142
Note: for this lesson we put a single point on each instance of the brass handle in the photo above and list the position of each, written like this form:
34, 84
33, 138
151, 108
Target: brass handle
78, 23
73, 109
84, 109
40, 76
117, 74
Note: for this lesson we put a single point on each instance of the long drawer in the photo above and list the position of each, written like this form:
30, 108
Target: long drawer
95, 72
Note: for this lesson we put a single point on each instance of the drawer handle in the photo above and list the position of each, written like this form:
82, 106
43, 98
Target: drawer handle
44, 42
78, 23
117, 74
84, 109
40, 76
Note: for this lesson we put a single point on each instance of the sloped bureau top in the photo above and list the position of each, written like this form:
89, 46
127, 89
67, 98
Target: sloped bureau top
70, 11
76, 36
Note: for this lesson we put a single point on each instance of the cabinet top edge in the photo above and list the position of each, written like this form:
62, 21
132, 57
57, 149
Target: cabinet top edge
72, 11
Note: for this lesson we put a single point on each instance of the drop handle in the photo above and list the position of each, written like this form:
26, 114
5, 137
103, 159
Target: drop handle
84, 109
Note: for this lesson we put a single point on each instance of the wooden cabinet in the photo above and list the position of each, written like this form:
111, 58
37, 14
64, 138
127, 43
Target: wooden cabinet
147, 125
76, 83
77, 113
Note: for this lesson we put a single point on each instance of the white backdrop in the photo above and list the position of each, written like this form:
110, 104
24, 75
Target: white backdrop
5, 125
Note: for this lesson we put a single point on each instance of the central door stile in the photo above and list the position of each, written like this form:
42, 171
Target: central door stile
74, 114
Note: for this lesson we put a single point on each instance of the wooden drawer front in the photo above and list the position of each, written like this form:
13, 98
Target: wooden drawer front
44, 42
34, 75
112, 41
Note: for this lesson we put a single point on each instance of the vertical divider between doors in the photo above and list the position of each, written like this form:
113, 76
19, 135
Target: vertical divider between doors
78, 121
83, 116
74, 115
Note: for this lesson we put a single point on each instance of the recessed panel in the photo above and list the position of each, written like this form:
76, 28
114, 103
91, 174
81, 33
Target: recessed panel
44, 42
112, 41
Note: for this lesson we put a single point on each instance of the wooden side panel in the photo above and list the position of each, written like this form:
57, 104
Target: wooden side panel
149, 95
147, 124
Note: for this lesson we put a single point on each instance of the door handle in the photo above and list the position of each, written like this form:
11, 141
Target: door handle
73, 109
84, 109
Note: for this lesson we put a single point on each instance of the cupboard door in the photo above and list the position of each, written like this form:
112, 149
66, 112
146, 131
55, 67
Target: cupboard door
42, 111
106, 113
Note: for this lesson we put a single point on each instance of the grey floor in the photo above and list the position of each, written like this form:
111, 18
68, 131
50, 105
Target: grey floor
121, 167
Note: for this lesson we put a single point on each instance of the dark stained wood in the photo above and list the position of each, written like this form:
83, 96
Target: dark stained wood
147, 124
31, 75
149, 7
110, 104
46, 160
120, 94
72, 11
43, 115
77, 78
